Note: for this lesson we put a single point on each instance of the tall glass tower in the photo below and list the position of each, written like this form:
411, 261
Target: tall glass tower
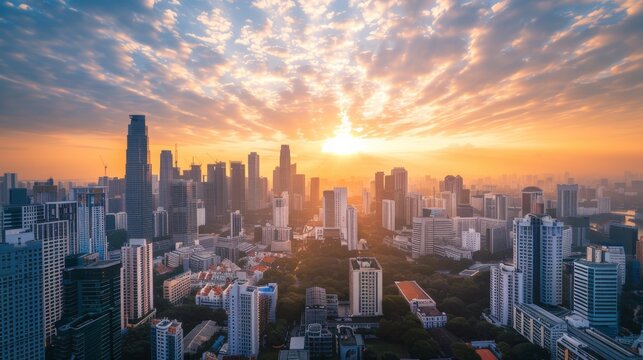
138, 181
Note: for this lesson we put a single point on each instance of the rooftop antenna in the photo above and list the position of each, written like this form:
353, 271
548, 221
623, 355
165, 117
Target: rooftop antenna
104, 165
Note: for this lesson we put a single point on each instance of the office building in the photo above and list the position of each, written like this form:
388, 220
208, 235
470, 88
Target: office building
532, 201
596, 298
315, 311
285, 175
18, 196
400, 179
351, 225
184, 212
366, 202
280, 210
567, 200
609, 254
91, 323
538, 326
20, 217
10, 182
365, 286
318, 341
236, 223
471, 240
329, 218
495, 206
177, 287
65, 210
625, 236
216, 193
166, 177
506, 290
138, 181
428, 232
237, 186
254, 190
92, 235
388, 214
161, 223
166, 339
243, 320
21, 291
350, 346
341, 204
314, 192
138, 297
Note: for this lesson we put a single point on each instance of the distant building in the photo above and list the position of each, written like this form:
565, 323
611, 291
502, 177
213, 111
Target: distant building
365, 286
471, 240
184, 212
177, 288
625, 236
388, 214
161, 223
350, 346
199, 336
315, 311
236, 223
319, 341
166, 339
351, 225
280, 210
567, 201
429, 232
237, 186
452, 252
65, 210
92, 236
138, 179
138, 297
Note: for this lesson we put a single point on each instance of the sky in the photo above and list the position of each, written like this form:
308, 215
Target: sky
469, 87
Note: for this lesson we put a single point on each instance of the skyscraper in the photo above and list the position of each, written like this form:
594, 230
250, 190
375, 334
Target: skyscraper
596, 294
285, 176
216, 193
91, 322
351, 225
54, 236
329, 210
280, 210
567, 201
314, 192
388, 214
341, 199
532, 201
65, 210
166, 339
254, 190
506, 289
455, 185
92, 236
184, 212
138, 181
166, 177
10, 182
138, 298
243, 320
236, 223
400, 189
537, 252
21, 294
237, 186
365, 286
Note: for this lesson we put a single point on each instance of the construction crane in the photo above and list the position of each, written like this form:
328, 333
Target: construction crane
104, 165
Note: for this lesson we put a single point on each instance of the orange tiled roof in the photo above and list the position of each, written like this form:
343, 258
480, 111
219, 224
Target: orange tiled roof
411, 290
486, 354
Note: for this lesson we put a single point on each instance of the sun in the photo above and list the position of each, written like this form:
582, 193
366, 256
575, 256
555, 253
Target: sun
344, 143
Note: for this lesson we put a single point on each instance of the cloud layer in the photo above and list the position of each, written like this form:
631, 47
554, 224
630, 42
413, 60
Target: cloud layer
434, 73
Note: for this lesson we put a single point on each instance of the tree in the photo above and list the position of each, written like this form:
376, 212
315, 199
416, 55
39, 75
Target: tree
527, 351
277, 333
462, 351
423, 350
460, 327
455, 306
394, 306
369, 354
412, 336
389, 356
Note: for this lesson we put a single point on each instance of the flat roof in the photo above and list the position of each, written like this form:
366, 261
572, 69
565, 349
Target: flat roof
412, 291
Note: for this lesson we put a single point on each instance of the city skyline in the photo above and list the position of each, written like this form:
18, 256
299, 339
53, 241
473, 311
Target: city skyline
499, 87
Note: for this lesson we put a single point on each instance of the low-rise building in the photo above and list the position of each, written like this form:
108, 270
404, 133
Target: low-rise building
211, 296
421, 304
177, 287
452, 252
538, 325
198, 336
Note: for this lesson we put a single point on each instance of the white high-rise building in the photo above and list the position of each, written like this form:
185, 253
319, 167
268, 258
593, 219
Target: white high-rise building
243, 319
137, 283
55, 245
120, 220
92, 237
167, 339
341, 195
551, 261
351, 224
471, 240
388, 214
365, 286
280, 210
538, 253
65, 210
428, 232
506, 289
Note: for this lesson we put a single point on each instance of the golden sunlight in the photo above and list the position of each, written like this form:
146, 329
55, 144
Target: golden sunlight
344, 143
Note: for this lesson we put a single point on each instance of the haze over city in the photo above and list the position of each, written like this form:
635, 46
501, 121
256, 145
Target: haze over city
494, 87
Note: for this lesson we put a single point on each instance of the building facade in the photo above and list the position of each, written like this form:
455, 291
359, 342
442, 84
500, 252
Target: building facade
365, 286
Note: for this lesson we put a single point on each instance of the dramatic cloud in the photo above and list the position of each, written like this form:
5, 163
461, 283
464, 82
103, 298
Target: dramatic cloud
408, 75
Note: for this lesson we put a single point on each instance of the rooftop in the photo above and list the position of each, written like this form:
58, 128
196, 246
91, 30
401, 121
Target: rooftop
412, 291
486, 354
365, 263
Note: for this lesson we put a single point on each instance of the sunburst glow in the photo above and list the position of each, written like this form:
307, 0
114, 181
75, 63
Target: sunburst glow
344, 143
